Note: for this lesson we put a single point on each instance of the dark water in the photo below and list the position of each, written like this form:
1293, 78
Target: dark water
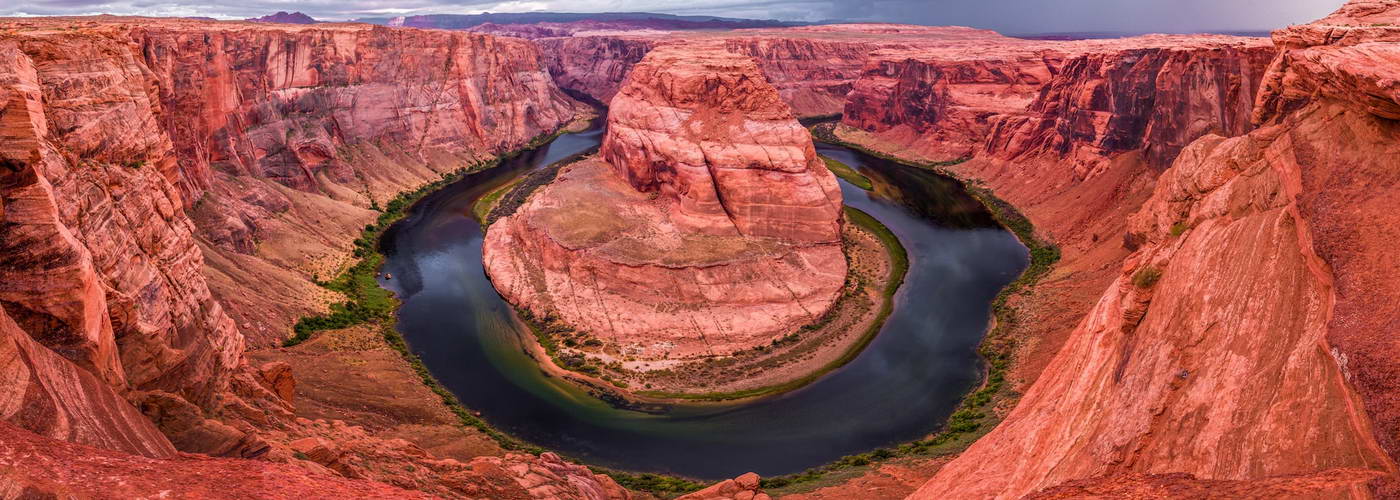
902, 387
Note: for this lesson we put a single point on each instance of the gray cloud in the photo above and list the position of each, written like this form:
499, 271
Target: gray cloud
1010, 16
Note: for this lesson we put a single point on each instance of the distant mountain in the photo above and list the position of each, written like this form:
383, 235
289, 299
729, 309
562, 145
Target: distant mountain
285, 18
659, 21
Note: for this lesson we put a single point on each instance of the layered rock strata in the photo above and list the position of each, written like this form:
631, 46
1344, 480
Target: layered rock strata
812, 67
1155, 95
1082, 100
152, 171
286, 138
1077, 155
706, 225
1277, 379
100, 262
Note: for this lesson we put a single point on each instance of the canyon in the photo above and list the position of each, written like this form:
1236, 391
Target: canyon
172, 192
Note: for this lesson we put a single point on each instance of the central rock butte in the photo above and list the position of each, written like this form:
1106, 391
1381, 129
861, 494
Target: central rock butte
705, 226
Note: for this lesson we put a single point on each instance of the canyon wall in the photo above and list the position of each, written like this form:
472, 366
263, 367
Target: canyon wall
152, 171
100, 262
1071, 153
286, 139
594, 66
1240, 345
812, 67
1155, 95
706, 224
1083, 101
944, 105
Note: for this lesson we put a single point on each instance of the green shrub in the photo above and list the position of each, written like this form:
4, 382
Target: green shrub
1147, 277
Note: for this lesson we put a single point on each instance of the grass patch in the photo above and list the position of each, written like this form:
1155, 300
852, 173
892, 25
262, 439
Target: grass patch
850, 175
1179, 228
899, 266
482, 208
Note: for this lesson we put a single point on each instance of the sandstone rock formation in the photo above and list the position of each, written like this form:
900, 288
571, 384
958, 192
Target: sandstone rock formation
812, 67
37, 467
50, 396
744, 487
706, 225
1077, 154
100, 262
594, 66
1083, 100
1239, 346
133, 149
1155, 95
943, 103
286, 136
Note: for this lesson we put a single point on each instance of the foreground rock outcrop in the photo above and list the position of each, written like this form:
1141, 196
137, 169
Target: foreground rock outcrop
706, 224
1277, 377
38, 467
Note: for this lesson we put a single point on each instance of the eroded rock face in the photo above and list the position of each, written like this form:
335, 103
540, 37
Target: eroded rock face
1275, 376
709, 134
1155, 99
286, 137
100, 262
131, 150
706, 224
1083, 101
594, 66
813, 67
49, 396
944, 106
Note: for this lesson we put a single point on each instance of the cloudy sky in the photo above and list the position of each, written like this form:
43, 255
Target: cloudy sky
1008, 16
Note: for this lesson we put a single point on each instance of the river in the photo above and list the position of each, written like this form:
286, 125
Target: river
901, 388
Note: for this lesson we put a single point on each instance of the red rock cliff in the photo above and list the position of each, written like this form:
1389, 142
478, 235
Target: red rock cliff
594, 66
100, 262
813, 67
1156, 99
1083, 101
145, 162
1240, 342
713, 138
943, 102
706, 225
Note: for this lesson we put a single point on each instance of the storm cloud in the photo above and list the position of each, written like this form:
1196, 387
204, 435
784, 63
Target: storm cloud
1008, 16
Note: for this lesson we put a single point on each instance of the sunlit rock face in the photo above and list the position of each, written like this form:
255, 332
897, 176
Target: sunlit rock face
1240, 347
705, 225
